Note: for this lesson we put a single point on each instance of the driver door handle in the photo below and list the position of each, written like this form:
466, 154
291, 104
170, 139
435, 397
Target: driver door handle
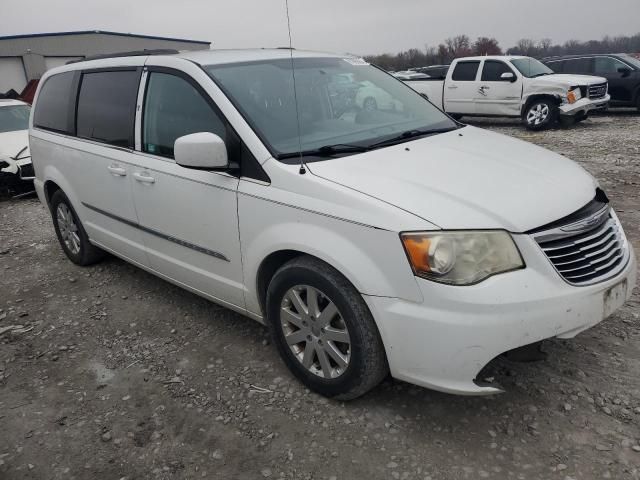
452, 86
117, 171
140, 177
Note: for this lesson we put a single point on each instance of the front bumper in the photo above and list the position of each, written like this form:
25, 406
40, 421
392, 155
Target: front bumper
584, 105
444, 342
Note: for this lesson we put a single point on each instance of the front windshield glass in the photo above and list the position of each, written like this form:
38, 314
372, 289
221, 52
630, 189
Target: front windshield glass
13, 118
632, 60
341, 101
530, 67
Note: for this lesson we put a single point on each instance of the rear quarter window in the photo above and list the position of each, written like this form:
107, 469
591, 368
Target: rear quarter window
54, 106
107, 105
465, 71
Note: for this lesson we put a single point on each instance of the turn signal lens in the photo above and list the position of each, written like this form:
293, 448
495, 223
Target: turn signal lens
574, 95
461, 258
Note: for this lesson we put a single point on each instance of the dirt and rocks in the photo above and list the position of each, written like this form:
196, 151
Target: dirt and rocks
110, 373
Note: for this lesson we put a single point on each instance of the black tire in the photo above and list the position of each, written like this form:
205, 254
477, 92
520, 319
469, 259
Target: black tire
581, 117
87, 254
367, 365
567, 121
547, 121
370, 104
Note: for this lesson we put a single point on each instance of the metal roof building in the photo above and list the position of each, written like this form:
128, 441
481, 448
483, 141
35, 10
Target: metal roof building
27, 57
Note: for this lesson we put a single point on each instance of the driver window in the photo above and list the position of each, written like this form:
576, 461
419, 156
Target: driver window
605, 65
174, 108
493, 69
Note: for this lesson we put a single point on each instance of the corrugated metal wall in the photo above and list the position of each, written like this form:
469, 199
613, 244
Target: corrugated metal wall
27, 58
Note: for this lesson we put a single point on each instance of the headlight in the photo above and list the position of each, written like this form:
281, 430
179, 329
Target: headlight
574, 95
459, 257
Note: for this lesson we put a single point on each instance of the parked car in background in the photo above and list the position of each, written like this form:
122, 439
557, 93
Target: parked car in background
370, 97
370, 241
434, 71
410, 75
621, 71
514, 86
16, 170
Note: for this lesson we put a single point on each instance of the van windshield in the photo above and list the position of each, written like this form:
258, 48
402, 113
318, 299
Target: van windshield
14, 118
342, 102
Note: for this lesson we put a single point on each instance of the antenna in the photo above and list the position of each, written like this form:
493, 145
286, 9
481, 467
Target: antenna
303, 170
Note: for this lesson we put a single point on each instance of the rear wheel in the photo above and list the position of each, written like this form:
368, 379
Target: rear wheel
540, 114
323, 330
70, 232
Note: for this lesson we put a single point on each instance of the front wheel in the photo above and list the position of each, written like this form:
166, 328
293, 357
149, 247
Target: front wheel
540, 115
323, 330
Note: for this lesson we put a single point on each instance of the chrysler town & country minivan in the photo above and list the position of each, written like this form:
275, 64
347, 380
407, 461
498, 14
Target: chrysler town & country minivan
377, 240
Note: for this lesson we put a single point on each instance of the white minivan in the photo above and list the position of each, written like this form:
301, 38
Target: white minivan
369, 240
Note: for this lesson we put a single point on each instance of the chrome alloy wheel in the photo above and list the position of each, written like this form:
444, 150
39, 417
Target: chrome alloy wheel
538, 114
315, 331
68, 228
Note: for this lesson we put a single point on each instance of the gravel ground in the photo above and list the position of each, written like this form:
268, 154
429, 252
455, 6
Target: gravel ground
118, 374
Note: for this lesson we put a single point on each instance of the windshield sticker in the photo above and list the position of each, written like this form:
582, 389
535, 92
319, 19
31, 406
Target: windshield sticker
356, 61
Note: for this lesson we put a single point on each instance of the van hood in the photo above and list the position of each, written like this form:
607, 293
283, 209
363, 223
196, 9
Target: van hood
467, 179
568, 80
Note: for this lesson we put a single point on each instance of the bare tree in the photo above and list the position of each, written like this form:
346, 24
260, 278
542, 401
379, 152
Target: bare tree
486, 46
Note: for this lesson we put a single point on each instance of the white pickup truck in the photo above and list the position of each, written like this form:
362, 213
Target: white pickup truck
514, 86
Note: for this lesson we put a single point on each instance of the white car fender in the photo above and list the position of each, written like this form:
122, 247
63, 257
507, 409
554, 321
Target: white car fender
372, 259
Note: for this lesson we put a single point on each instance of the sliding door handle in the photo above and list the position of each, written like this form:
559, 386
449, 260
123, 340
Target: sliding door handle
142, 178
117, 171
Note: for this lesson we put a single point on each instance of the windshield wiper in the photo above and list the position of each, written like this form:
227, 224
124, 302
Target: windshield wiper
325, 151
540, 74
409, 134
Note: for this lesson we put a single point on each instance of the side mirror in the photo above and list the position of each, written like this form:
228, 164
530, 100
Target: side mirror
624, 71
203, 150
508, 77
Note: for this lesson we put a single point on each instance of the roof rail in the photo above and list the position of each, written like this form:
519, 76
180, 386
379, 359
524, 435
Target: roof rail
134, 53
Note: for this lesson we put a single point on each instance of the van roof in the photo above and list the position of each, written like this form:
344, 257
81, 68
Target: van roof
212, 57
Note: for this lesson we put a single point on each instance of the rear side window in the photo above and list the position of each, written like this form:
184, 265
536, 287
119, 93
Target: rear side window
577, 65
465, 71
493, 69
54, 108
107, 105
174, 108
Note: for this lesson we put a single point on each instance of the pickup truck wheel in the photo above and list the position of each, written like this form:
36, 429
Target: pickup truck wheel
540, 114
71, 234
323, 330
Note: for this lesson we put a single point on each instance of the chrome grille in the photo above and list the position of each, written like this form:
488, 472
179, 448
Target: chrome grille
589, 255
597, 91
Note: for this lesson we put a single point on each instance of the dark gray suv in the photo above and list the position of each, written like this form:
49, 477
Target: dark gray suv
621, 70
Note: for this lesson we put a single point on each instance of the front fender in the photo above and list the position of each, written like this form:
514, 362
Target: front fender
371, 259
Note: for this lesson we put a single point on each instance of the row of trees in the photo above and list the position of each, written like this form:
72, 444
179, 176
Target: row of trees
462, 46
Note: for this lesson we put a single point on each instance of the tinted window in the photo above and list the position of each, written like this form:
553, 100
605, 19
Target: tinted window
577, 65
106, 107
174, 108
605, 65
493, 69
555, 66
465, 71
54, 110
